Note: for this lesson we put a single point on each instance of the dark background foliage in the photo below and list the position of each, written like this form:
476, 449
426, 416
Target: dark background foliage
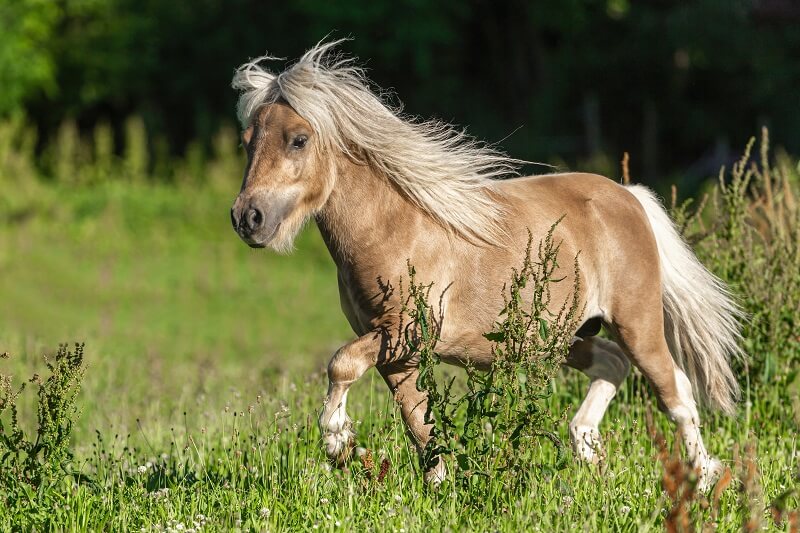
679, 84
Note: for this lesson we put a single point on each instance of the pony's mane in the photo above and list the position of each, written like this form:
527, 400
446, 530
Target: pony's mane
441, 169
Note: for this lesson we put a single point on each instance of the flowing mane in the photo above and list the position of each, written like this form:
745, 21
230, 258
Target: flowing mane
441, 169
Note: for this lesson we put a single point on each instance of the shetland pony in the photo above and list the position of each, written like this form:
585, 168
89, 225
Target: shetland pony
385, 189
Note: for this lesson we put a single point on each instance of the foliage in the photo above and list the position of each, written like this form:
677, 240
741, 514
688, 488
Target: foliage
587, 90
206, 369
31, 467
489, 428
753, 243
27, 67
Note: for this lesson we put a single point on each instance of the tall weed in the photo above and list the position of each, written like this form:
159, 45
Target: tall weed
489, 429
749, 235
32, 465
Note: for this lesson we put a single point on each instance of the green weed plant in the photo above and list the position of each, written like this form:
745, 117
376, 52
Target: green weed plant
489, 428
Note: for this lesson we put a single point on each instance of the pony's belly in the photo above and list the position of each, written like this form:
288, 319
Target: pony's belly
466, 350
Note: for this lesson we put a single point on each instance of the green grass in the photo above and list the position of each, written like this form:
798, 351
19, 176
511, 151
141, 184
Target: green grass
205, 360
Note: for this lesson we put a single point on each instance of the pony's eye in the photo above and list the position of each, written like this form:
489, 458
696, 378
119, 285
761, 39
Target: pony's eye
299, 142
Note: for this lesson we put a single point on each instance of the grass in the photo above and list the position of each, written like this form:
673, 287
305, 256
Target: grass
204, 375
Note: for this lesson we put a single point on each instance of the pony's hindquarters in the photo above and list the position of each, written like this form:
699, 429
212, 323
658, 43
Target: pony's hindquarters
701, 320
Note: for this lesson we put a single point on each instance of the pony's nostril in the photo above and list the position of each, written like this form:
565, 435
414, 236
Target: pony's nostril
233, 220
254, 218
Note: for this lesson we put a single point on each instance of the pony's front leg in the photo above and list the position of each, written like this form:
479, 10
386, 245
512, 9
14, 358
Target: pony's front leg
401, 377
347, 365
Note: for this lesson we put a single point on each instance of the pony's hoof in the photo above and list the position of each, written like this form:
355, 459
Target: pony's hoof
710, 473
436, 474
586, 444
339, 445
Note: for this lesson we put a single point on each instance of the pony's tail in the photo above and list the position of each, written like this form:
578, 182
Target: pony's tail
701, 319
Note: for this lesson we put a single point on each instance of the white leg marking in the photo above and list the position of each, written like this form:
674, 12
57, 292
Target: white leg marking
437, 474
584, 430
335, 427
688, 420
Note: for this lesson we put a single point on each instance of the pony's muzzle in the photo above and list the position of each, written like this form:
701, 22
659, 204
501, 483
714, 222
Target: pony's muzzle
257, 220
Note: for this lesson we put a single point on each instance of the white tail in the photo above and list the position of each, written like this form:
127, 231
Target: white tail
701, 319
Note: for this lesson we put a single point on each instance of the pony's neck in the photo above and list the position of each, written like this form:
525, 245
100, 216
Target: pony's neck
363, 212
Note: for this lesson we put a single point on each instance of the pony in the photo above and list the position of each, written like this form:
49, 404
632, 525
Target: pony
386, 189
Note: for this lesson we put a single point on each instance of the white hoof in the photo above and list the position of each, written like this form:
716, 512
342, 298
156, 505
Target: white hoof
710, 472
437, 474
339, 445
586, 443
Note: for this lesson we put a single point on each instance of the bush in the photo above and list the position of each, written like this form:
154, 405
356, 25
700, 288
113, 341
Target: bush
31, 465
753, 244
489, 429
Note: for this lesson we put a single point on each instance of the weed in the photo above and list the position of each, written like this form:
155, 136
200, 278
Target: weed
753, 244
30, 465
488, 429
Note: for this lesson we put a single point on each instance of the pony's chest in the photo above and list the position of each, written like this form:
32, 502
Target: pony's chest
365, 305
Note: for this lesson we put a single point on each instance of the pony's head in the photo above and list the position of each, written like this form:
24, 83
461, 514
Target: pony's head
299, 126
284, 182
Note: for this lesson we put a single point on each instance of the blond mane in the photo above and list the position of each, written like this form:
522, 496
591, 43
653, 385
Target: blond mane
441, 169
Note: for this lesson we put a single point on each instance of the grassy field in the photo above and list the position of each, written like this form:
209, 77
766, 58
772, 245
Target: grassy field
205, 373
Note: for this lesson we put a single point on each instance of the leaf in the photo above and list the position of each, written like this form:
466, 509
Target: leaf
495, 336
463, 461
544, 329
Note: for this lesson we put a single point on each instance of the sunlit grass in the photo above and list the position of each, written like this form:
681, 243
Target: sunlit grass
205, 375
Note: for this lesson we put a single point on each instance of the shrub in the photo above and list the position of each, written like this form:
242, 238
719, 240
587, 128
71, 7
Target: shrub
30, 465
753, 244
490, 427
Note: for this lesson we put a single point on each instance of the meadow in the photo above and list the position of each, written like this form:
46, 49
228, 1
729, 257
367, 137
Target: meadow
203, 369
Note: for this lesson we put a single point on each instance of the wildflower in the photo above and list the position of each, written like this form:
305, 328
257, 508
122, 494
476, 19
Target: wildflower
142, 469
324, 501
265, 512
398, 498
624, 510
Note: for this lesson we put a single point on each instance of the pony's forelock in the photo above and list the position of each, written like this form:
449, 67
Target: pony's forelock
441, 169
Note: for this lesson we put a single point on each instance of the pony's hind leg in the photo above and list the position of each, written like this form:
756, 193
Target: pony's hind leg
641, 334
606, 366
347, 365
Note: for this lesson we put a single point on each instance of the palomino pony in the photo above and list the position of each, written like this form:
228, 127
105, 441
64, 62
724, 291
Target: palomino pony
385, 189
